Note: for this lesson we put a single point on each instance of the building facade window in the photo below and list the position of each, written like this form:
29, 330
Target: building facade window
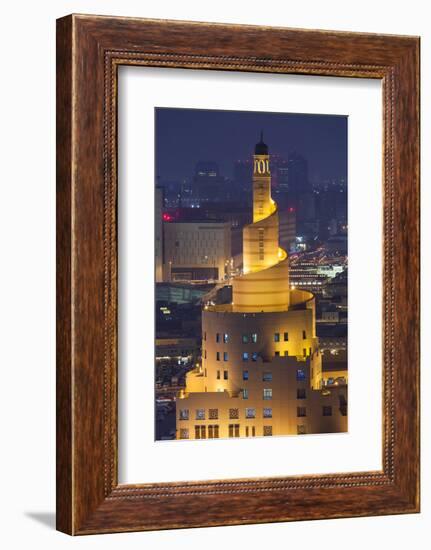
225, 356
225, 338
267, 412
205, 354
213, 431
253, 431
276, 337
277, 354
267, 376
218, 375
301, 411
267, 393
225, 375
213, 414
184, 433
300, 374
233, 430
304, 352
184, 414
254, 337
233, 414
300, 429
245, 394
217, 337
205, 336
245, 338
286, 336
300, 393
286, 353
200, 432
200, 414
250, 413
267, 430
304, 335
327, 410
245, 355
245, 374
218, 356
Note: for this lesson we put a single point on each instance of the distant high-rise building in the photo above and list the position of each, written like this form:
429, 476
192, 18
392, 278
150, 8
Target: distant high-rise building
208, 185
158, 241
287, 233
297, 174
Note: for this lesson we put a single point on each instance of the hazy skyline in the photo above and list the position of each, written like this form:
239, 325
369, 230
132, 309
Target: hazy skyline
187, 136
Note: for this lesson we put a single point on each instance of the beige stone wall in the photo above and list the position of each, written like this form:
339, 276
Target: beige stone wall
289, 392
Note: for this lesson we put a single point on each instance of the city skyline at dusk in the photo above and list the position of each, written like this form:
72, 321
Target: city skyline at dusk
251, 274
231, 135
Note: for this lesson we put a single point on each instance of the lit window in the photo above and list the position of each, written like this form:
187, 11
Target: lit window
250, 413
254, 337
245, 394
184, 433
225, 375
218, 356
217, 337
245, 338
245, 356
184, 414
267, 430
267, 412
267, 393
267, 376
277, 337
225, 338
225, 356
245, 374
200, 414
301, 411
300, 374
327, 410
286, 336
213, 414
300, 393
254, 356
234, 413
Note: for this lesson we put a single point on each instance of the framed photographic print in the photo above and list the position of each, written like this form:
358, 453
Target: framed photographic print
237, 274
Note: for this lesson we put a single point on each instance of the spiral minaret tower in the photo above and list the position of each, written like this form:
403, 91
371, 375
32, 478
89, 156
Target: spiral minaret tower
264, 285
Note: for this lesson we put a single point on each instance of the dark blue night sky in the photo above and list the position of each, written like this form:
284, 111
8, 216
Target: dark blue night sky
186, 136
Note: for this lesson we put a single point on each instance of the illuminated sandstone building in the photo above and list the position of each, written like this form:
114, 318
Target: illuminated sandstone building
261, 372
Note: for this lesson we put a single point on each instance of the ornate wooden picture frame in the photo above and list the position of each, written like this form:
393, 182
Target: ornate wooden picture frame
89, 51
